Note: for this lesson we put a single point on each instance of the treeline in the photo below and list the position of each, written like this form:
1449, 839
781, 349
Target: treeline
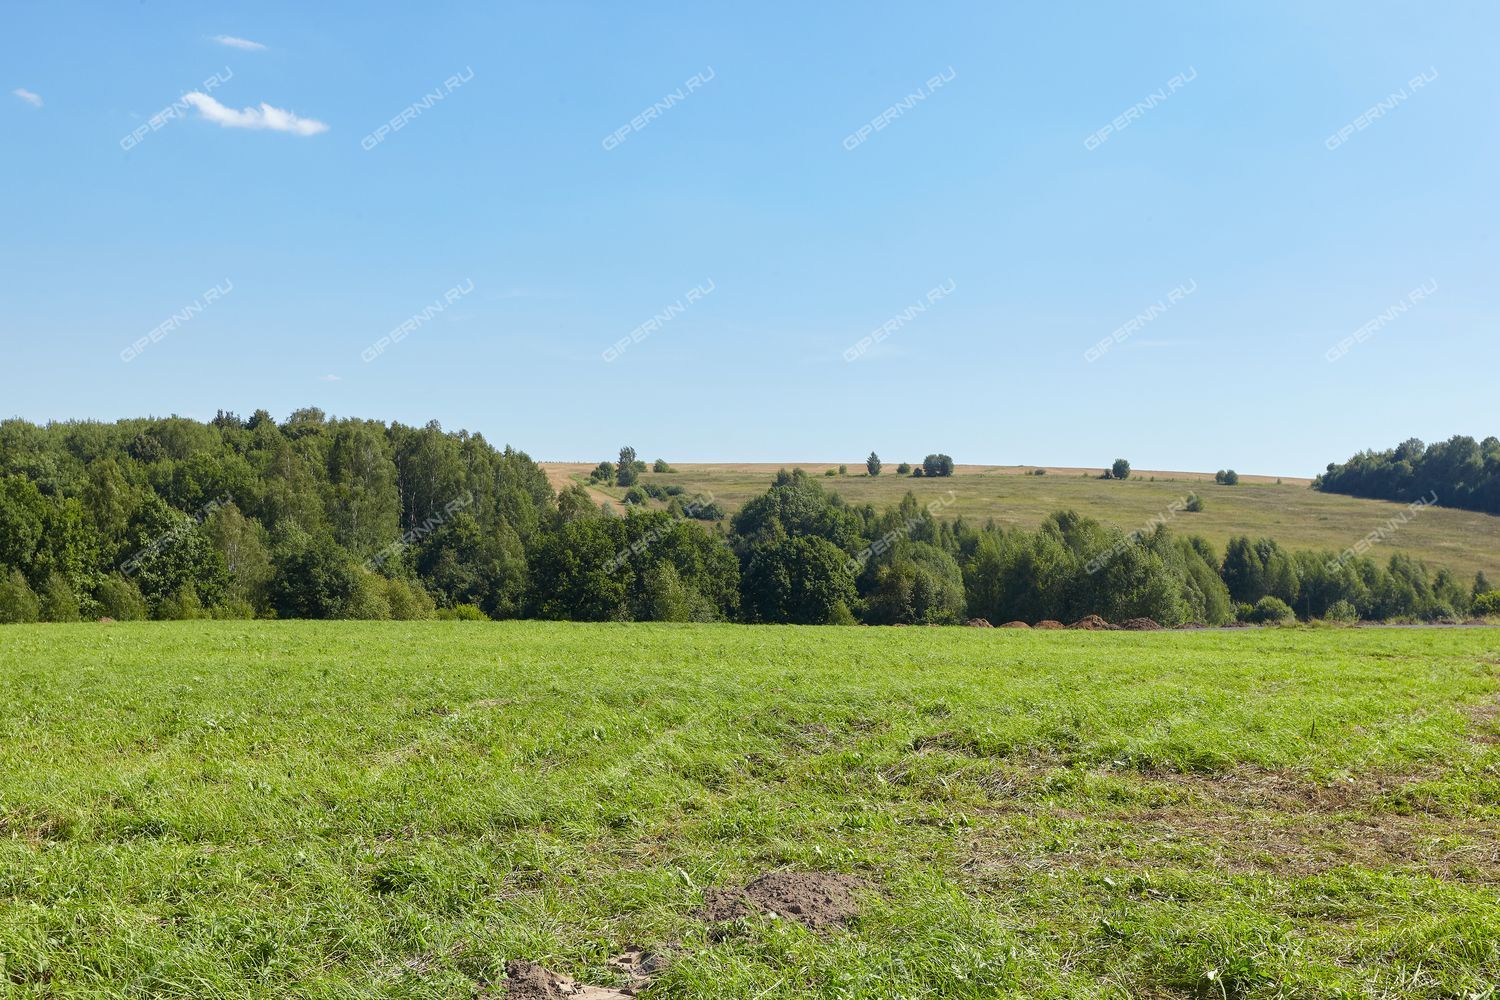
1460, 472
327, 518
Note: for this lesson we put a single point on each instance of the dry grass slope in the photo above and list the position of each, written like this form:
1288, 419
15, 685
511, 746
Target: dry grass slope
1293, 514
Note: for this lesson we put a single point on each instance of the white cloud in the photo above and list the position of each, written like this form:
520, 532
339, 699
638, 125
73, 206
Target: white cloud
264, 116
239, 43
35, 100
330, 378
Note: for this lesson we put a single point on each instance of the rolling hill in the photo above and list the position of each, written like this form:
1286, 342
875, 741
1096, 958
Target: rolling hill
1286, 509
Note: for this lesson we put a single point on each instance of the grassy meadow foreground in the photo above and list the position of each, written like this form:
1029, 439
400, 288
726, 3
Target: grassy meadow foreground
1296, 516
335, 809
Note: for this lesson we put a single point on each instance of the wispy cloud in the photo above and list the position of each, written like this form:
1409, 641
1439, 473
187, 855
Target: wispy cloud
35, 100
239, 43
330, 378
264, 116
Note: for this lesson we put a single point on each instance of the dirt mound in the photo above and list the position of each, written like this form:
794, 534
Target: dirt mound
1049, 623
978, 623
529, 981
817, 899
1140, 625
1017, 625
1092, 623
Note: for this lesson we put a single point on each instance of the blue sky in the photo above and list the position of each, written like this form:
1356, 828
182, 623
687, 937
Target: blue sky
529, 217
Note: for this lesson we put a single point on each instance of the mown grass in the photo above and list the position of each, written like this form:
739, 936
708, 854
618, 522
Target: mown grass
1296, 516
395, 809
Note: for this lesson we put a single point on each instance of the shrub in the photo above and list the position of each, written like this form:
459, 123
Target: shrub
1271, 611
843, 470
604, 472
367, 602
904, 469
1487, 603
18, 604
635, 495
1227, 477
917, 472
830, 472
1121, 469
408, 601
937, 465
710, 511
58, 602
1194, 503
181, 606
462, 613
121, 600
1342, 611
660, 465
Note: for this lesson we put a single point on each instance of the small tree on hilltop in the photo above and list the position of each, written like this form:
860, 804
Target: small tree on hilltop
904, 469
872, 464
937, 465
1121, 469
625, 471
1227, 477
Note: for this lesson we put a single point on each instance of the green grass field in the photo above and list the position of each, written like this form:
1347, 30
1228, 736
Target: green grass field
1293, 514
327, 809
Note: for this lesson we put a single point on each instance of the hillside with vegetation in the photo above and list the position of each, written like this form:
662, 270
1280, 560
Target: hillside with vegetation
1459, 472
1284, 508
315, 517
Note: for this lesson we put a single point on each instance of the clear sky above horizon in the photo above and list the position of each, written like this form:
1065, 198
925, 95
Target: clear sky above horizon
1039, 179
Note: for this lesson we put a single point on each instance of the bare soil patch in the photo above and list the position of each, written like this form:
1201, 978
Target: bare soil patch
529, 981
816, 899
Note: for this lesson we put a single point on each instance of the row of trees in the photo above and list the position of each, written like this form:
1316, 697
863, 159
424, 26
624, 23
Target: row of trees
320, 518
1461, 472
932, 465
627, 471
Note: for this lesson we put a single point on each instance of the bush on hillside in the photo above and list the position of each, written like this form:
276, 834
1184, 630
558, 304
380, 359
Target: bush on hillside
1271, 611
18, 603
1342, 611
1485, 604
